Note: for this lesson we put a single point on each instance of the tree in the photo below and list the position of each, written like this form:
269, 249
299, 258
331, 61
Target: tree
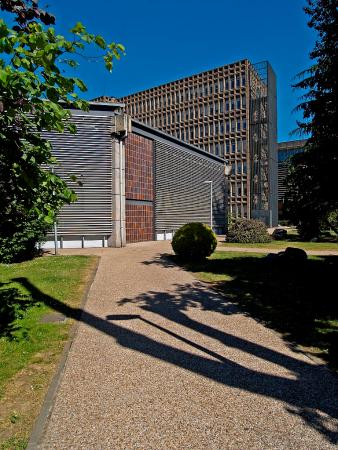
34, 95
311, 195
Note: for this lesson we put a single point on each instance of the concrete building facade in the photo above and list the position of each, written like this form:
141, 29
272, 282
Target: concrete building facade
230, 112
133, 183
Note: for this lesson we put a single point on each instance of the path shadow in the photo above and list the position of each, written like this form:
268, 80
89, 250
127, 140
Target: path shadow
311, 395
296, 299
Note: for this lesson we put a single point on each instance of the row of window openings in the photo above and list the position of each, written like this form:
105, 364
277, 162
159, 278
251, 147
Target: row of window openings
167, 120
221, 149
189, 94
203, 110
212, 129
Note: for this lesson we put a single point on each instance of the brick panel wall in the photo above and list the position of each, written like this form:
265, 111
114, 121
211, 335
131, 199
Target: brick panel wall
139, 168
139, 189
139, 223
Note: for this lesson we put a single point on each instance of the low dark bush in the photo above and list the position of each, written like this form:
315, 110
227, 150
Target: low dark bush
295, 255
248, 231
194, 241
279, 234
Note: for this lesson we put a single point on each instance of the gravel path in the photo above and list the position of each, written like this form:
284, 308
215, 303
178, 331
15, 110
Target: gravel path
160, 361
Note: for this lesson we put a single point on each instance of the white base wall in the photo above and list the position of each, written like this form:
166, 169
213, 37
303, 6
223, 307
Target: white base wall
75, 243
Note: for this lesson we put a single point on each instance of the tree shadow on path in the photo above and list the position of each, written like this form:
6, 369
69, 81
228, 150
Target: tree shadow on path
312, 395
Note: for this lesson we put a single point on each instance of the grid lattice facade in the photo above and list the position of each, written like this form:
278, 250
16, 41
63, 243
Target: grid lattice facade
222, 111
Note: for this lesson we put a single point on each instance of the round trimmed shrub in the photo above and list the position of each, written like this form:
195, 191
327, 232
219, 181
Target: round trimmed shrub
194, 241
248, 231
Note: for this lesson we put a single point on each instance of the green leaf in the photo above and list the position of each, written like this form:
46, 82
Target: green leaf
80, 84
3, 76
78, 29
100, 42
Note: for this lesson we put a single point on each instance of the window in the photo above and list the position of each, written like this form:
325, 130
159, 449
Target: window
233, 125
201, 130
238, 125
243, 80
244, 167
233, 146
191, 113
221, 127
244, 124
205, 110
227, 123
238, 82
232, 83
232, 104
216, 87
221, 106
227, 84
238, 102
239, 167
243, 101
178, 116
206, 130
216, 128
244, 146
227, 147
217, 149
216, 107
211, 108
221, 85
239, 146
227, 105
222, 149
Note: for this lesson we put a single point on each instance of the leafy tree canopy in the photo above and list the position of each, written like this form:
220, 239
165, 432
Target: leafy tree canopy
34, 95
311, 196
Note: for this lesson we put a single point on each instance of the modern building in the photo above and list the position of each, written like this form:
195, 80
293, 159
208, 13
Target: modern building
230, 112
133, 182
285, 151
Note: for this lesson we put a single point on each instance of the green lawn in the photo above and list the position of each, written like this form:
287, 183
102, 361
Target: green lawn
298, 301
291, 242
29, 349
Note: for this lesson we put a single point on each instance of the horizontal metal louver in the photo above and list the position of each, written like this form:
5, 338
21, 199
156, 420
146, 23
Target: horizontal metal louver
182, 195
87, 155
282, 173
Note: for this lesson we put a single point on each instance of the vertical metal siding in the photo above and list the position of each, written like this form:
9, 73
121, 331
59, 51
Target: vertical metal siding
181, 194
87, 155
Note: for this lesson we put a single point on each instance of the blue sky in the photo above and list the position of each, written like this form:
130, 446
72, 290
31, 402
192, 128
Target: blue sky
169, 40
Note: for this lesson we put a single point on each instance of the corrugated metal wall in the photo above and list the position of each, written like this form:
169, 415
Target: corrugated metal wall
88, 156
181, 196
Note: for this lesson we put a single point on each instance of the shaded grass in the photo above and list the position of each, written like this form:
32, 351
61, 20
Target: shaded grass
29, 349
286, 243
300, 301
